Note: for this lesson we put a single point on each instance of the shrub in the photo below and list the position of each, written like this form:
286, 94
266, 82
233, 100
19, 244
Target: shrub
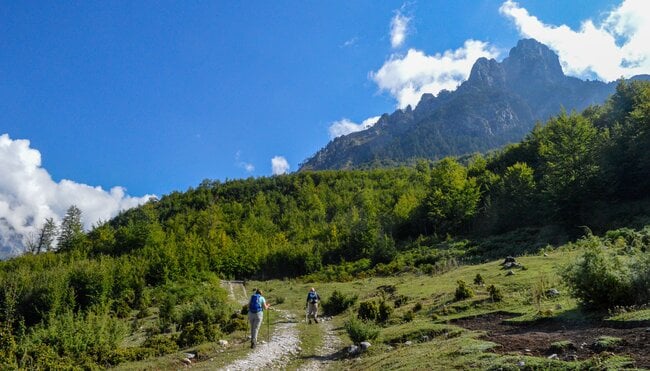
83, 338
417, 307
463, 291
167, 311
562, 346
368, 310
359, 331
338, 303
192, 334
478, 280
161, 344
90, 284
400, 300
604, 343
495, 293
408, 316
236, 322
385, 312
602, 280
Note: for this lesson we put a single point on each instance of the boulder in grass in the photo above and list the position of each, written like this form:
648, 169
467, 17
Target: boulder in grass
365, 345
552, 292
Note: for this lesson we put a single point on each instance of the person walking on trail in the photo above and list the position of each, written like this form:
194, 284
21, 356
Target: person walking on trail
312, 305
256, 308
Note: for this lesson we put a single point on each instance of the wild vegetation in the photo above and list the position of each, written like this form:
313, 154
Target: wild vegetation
75, 303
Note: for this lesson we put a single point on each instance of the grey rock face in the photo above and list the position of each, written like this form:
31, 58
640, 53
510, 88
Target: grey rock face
498, 104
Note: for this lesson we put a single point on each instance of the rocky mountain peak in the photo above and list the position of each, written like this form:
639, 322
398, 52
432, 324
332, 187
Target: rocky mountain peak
531, 59
487, 73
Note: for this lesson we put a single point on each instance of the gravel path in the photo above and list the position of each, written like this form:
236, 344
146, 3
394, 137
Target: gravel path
325, 353
284, 346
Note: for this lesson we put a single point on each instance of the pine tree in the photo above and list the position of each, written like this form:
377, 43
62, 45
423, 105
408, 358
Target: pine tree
71, 229
45, 238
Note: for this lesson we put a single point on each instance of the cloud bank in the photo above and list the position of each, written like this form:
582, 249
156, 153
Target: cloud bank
28, 196
345, 126
407, 77
279, 165
618, 46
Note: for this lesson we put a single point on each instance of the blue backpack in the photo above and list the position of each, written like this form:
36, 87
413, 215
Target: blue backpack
254, 305
313, 297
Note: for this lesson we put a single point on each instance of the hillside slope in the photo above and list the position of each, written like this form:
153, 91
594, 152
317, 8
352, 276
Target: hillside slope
498, 104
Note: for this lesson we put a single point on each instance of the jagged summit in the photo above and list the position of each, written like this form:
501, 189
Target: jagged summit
532, 60
498, 104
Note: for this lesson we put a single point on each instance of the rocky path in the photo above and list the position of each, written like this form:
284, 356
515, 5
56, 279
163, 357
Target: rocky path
284, 344
325, 353
283, 347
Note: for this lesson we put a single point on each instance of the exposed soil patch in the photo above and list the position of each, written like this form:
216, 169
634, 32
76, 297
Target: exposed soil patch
535, 338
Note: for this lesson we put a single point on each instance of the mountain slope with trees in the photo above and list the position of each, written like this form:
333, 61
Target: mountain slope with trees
64, 307
499, 104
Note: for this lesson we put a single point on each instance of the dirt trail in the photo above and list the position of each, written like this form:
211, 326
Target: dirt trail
283, 347
236, 291
536, 338
326, 352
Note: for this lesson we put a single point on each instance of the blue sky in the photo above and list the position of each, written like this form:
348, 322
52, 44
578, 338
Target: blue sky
129, 99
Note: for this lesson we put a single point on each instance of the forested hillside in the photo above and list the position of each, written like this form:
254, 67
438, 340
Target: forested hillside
573, 173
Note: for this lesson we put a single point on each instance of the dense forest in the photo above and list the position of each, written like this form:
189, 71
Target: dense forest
577, 173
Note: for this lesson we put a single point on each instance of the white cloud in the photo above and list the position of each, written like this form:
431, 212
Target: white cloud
28, 196
345, 126
279, 165
618, 46
351, 42
408, 77
249, 167
398, 29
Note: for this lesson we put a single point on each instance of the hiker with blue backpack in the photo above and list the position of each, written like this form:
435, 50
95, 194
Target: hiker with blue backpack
256, 308
312, 305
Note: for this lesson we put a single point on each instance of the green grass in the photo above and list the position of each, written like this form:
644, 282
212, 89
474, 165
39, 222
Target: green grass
428, 341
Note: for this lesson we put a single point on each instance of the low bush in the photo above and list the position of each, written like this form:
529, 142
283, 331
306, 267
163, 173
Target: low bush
338, 303
562, 346
400, 300
463, 291
602, 279
604, 343
368, 311
495, 293
385, 312
359, 331
161, 344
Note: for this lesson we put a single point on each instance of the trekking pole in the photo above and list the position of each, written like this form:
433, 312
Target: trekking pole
268, 327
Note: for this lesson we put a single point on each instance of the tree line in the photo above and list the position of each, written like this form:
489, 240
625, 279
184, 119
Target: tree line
576, 170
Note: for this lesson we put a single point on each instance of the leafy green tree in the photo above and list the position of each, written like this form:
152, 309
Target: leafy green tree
453, 198
515, 196
567, 149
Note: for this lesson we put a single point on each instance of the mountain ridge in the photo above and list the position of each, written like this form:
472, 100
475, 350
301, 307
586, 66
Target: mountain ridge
498, 104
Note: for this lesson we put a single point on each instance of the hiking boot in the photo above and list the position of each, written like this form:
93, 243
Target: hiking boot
310, 321
252, 345
315, 320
